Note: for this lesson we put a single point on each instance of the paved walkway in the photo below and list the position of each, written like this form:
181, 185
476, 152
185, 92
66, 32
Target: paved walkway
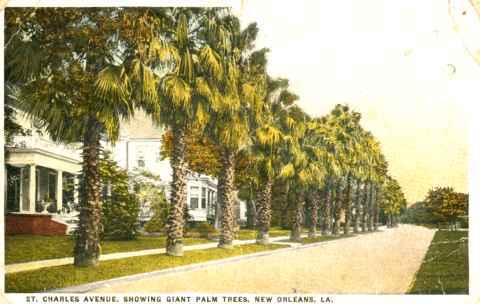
11, 268
383, 262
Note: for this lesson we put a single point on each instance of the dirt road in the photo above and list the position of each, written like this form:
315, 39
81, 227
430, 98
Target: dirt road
381, 262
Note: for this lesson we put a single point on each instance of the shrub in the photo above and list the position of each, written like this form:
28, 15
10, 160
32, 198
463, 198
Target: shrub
120, 208
463, 221
206, 230
160, 208
120, 217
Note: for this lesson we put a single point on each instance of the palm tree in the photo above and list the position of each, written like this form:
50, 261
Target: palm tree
337, 209
269, 136
382, 170
357, 206
80, 83
341, 125
314, 204
237, 98
327, 208
353, 129
183, 63
302, 164
364, 218
328, 157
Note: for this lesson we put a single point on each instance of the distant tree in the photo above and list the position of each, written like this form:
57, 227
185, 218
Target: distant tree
201, 154
418, 213
447, 204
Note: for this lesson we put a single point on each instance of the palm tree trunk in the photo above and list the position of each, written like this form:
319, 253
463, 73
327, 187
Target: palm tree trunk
87, 242
395, 221
358, 202
348, 207
370, 209
337, 208
178, 194
251, 214
297, 220
225, 197
365, 207
285, 207
327, 210
251, 209
264, 217
375, 210
314, 203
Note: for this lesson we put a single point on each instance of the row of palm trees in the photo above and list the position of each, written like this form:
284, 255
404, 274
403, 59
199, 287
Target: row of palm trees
329, 166
81, 71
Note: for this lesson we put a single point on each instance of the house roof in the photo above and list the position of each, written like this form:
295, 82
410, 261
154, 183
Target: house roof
141, 126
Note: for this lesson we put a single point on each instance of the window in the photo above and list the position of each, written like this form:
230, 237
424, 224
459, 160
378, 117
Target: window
194, 197
141, 162
204, 198
140, 157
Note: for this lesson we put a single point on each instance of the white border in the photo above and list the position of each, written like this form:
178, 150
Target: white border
474, 176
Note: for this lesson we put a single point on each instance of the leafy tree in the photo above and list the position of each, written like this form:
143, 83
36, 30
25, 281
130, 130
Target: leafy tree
446, 203
418, 213
201, 154
393, 200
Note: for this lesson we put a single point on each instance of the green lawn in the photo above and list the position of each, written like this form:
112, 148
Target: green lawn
68, 275
248, 234
445, 266
26, 248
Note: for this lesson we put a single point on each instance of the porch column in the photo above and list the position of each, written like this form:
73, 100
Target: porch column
59, 190
76, 189
31, 188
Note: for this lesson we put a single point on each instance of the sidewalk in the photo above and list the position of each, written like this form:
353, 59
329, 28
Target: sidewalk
18, 267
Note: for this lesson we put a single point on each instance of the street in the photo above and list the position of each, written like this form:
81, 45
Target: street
384, 262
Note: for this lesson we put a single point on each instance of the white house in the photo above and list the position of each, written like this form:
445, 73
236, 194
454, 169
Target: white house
41, 176
134, 152
40, 179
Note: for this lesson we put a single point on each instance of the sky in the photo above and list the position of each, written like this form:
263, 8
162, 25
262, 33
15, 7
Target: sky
402, 64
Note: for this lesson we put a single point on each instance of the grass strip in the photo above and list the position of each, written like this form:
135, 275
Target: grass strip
27, 248
325, 238
63, 276
444, 269
245, 234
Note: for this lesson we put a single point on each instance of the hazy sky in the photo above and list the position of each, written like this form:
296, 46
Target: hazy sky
400, 63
